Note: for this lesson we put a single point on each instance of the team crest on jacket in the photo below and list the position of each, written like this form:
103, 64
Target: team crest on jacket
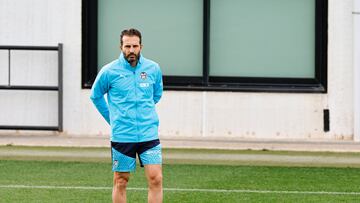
143, 75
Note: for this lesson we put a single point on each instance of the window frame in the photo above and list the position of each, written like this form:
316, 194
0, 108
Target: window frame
214, 83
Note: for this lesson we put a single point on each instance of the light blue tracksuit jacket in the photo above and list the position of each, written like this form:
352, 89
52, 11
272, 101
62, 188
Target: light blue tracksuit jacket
132, 93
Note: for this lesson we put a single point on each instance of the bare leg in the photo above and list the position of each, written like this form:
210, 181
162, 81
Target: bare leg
119, 190
154, 177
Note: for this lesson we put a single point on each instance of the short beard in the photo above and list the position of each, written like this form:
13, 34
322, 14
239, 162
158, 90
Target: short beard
132, 61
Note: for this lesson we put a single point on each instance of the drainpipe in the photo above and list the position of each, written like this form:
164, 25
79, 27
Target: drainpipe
356, 64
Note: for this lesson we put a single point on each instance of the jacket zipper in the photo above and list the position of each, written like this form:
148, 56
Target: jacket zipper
136, 108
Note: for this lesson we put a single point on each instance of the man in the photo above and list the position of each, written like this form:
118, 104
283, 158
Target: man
133, 85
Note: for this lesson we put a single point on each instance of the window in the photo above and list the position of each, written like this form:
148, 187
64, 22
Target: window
169, 36
236, 45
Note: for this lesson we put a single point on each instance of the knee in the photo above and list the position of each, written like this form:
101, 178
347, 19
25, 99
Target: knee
121, 182
155, 180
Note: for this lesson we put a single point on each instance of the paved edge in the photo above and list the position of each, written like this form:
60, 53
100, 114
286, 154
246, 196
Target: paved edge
185, 143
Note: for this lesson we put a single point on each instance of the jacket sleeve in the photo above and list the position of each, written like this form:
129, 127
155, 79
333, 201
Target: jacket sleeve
98, 90
158, 86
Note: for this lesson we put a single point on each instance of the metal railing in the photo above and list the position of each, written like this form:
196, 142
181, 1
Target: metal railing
58, 88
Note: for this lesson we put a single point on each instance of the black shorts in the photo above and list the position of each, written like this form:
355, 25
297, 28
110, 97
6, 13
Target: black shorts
124, 154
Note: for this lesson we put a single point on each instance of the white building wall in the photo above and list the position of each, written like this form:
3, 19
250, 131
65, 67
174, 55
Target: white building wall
45, 23
340, 74
356, 59
191, 114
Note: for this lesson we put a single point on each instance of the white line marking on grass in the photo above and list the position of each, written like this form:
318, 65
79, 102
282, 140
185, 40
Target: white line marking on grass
183, 190
55, 187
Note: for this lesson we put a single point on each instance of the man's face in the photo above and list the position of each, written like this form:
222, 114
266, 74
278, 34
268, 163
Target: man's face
131, 48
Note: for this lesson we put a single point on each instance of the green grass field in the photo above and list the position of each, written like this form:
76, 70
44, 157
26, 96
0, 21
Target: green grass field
25, 179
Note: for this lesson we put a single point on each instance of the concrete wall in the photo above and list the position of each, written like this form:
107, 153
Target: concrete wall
199, 115
356, 59
47, 23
